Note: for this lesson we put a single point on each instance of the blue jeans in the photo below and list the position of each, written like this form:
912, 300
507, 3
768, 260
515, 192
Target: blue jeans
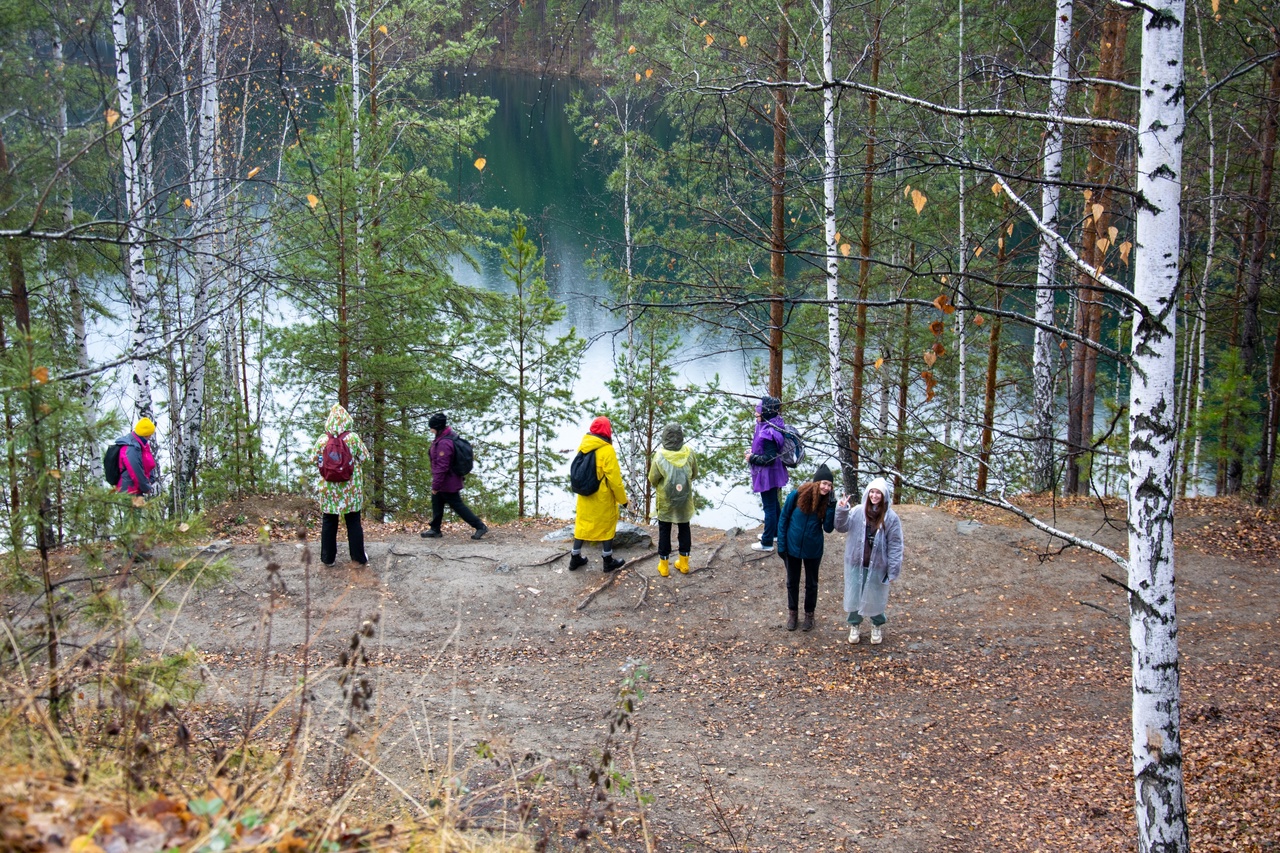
769, 500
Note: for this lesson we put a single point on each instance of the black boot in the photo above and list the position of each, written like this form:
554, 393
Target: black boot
612, 563
576, 561
791, 620
808, 621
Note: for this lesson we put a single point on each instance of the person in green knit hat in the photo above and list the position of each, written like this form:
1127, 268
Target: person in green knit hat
671, 473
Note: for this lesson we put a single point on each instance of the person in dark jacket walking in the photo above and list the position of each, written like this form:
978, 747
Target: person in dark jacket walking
137, 462
446, 486
808, 513
768, 474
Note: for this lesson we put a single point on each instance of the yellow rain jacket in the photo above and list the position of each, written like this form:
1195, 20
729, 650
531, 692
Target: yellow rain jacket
597, 515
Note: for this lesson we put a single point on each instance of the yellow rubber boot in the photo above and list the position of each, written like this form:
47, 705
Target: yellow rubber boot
682, 563
663, 567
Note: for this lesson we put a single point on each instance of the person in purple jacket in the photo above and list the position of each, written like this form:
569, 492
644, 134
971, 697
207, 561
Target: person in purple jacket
446, 486
768, 474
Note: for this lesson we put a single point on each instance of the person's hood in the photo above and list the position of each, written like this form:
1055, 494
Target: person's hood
677, 458
338, 421
881, 484
592, 442
672, 436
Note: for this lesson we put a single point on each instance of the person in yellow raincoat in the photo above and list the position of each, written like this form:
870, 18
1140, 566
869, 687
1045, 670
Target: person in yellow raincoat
596, 518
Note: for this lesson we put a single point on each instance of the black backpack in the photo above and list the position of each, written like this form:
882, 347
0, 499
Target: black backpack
792, 452
111, 463
583, 479
464, 457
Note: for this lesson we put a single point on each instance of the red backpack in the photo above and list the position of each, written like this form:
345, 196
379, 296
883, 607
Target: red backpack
336, 462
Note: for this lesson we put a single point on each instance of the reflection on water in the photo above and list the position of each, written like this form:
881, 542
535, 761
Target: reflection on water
534, 163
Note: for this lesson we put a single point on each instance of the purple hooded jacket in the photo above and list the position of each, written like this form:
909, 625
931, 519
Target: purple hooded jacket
442, 478
767, 441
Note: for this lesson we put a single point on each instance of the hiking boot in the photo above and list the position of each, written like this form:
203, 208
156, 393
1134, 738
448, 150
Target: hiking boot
577, 561
664, 567
480, 532
682, 563
612, 563
808, 621
431, 533
877, 635
759, 546
791, 620
854, 634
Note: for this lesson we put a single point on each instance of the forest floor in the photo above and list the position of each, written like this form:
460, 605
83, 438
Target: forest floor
994, 716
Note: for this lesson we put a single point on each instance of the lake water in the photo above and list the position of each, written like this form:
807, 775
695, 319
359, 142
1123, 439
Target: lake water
535, 164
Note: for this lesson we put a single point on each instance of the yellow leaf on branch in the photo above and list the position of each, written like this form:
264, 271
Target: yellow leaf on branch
1125, 248
312, 200
846, 249
480, 161
255, 170
742, 40
918, 200
112, 117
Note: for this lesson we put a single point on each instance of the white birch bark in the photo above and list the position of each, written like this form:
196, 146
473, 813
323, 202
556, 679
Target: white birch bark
830, 164
135, 270
1051, 172
1160, 805
962, 284
209, 14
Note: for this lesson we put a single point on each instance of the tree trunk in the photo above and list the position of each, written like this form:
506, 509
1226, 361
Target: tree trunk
845, 442
993, 364
1251, 331
1051, 173
206, 215
135, 267
778, 232
904, 384
1272, 424
1160, 805
1103, 148
864, 268
961, 418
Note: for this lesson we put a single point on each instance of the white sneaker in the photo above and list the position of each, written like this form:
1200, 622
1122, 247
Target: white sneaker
854, 636
877, 635
756, 546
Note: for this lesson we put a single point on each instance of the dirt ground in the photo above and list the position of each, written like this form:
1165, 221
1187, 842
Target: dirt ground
995, 715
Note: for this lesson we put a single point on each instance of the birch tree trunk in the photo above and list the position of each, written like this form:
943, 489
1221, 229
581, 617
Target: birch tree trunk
1051, 173
845, 433
962, 284
135, 270
209, 13
1160, 805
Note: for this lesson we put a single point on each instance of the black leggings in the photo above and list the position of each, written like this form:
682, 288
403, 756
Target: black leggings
329, 538
683, 536
810, 582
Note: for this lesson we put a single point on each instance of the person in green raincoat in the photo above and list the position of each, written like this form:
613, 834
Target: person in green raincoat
344, 499
672, 471
596, 518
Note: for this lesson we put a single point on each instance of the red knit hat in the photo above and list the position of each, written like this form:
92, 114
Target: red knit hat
601, 427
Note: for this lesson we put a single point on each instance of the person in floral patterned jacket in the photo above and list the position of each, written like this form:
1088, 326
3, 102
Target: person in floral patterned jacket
341, 499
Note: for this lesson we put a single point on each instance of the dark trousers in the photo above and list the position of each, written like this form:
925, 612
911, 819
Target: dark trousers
683, 536
329, 538
769, 500
810, 582
606, 547
454, 500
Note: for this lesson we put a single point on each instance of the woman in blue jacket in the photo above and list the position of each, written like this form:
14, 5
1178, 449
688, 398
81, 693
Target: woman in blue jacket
808, 513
